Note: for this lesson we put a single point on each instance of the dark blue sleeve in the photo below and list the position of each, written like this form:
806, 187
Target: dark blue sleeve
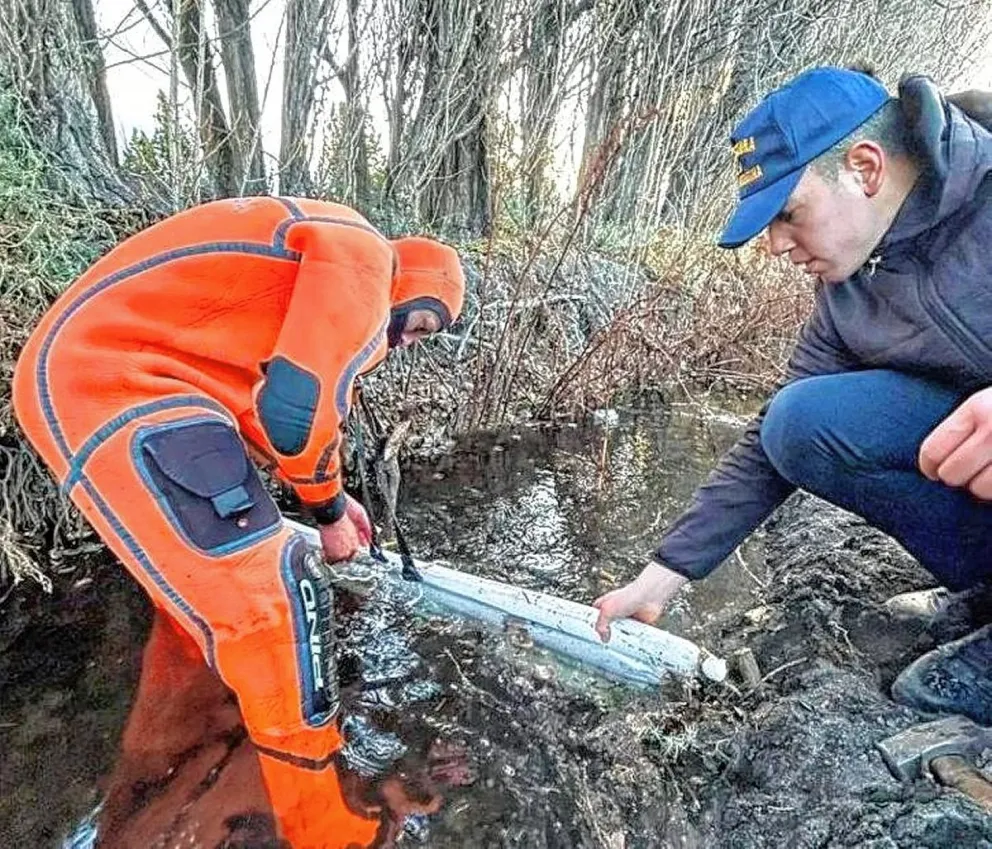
744, 488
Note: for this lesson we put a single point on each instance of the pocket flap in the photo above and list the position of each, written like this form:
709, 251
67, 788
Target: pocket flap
206, 459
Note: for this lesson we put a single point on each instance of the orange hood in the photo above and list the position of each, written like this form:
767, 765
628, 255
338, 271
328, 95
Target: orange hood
429, 271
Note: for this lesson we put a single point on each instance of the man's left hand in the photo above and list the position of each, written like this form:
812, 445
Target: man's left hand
342, 539
958, 452
360, 519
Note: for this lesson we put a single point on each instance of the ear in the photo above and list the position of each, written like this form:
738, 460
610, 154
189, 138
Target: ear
867, 161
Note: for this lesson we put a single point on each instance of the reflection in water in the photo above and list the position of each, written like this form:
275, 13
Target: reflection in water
187, 774
545, 550
576, 511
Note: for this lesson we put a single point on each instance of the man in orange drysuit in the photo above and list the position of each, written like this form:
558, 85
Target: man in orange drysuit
239, 321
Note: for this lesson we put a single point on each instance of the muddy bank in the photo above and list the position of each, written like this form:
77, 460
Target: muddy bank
554, 758
791, 763
801, 769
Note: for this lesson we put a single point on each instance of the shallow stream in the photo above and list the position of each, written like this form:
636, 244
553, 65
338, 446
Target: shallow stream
456, 736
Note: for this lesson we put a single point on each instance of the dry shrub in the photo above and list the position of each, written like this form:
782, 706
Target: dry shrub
526, 319
706, 318
46, 240
572, 331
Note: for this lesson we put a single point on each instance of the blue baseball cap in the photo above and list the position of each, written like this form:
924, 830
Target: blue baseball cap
785, 132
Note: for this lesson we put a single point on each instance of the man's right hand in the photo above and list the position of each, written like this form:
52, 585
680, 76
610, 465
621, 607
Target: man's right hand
644, 598
342, 539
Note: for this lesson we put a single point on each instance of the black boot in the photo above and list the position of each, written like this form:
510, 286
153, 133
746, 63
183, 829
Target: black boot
954, 678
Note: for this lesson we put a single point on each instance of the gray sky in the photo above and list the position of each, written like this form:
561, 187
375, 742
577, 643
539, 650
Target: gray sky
138, 65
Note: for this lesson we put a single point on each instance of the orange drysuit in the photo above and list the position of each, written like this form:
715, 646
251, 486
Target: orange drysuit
239, 321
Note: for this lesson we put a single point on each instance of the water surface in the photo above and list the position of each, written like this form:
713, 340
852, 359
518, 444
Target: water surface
457, 736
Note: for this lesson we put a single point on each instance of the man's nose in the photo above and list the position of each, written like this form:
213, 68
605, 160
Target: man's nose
779, 240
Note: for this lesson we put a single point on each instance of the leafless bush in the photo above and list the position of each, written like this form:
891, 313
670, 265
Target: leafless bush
706, 317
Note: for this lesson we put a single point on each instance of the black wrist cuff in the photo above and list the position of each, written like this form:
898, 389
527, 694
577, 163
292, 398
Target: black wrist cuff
330, 511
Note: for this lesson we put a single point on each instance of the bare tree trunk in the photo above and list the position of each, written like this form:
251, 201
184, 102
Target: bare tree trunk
608, 113
96, 74
355, 119
41, 60
198, 68
234, 24
350, 145
541, 89
449, 162
306, 32
545, 71
396, 105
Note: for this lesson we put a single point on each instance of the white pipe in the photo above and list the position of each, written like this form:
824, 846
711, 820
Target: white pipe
636, 653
